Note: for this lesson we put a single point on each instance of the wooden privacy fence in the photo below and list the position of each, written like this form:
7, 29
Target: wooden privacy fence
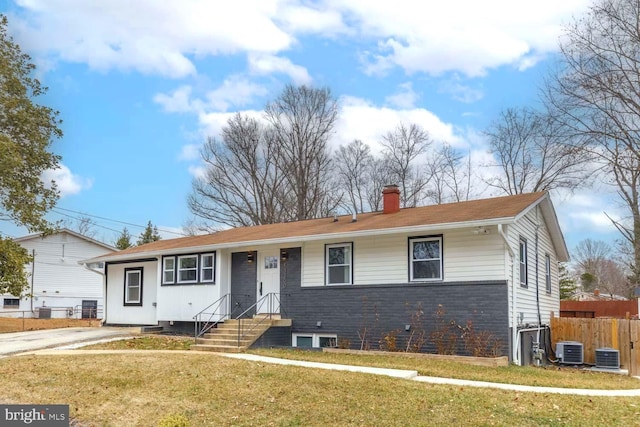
621, 334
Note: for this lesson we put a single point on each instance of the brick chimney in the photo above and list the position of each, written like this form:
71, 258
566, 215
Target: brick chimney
596, 292
390, 199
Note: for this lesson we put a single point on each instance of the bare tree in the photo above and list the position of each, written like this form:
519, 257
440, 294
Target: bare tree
302, 121
532, 154
598, 269
242, 184
450, 177
82, 224
596, 92
379, 175
403, 146
353, 164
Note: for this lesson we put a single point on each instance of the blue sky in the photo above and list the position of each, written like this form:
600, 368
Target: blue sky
140, 85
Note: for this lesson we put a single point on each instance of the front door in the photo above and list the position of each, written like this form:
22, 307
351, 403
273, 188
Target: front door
269, 281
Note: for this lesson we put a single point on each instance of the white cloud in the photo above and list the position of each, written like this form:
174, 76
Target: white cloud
165, 37
269, 64
405, 98
176, 102
189, 152
67, 182
149, 36
360, 119
234, 92
459, 91
197, 171
463, 36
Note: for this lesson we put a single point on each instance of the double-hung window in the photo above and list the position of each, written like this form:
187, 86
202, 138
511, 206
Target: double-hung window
547, 270
207, 267
524, 263
339, 264
188, 269
425, 259
169, 270
133, 286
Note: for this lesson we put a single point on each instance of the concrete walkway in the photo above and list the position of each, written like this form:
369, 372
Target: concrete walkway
395, 373
20, 342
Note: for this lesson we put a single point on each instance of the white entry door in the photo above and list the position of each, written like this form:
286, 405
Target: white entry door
269, 281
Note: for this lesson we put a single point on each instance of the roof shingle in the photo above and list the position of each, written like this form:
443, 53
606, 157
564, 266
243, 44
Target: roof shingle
449, 213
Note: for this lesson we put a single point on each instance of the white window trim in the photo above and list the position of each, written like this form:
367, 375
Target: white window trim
326, 262
164, 269
178, 269
523, 244
547, 275
315, 338
212, 268
411, 260
127, 299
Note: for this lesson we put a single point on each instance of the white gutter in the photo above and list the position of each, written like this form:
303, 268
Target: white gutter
514, 298
251, 244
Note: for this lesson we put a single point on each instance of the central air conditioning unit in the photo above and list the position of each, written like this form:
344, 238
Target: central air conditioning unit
570, 352
608, 358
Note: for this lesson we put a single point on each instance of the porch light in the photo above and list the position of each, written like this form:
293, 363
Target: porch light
284, 255
250, 257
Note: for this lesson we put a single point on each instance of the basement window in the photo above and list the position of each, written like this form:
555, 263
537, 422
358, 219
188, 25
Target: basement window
314, 340
11, 303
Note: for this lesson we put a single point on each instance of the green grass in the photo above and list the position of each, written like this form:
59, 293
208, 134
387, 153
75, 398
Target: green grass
547, 377
146, 342
147, 389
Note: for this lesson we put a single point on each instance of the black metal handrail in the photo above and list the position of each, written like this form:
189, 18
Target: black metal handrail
274, 306
203, 326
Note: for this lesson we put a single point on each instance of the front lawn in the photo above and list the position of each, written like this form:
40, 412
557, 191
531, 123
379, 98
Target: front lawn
551, 376
145, 389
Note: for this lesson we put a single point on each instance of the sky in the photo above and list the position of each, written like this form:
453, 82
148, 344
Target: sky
140, 85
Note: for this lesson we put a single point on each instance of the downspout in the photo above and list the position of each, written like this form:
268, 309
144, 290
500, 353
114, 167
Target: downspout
514, 332
33, 272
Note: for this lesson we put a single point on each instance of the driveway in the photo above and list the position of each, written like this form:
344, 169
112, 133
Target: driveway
20, 342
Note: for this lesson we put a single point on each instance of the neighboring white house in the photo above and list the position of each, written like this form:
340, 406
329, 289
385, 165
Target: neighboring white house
493, 262
56, 280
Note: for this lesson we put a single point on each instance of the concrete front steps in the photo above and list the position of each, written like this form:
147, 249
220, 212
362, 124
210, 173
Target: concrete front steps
224, 338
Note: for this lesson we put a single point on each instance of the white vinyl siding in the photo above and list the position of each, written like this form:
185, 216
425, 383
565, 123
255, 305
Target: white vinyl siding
525, 228
144, 314
384, 259
58, 280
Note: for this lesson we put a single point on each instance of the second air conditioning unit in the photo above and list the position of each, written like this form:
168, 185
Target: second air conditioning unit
570, 352
607, 358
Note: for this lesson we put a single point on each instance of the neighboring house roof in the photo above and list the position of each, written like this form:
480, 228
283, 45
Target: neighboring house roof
65, 230
485, 212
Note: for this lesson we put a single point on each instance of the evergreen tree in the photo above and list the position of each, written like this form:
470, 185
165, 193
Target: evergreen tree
568, 285
124, 240
150, 234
